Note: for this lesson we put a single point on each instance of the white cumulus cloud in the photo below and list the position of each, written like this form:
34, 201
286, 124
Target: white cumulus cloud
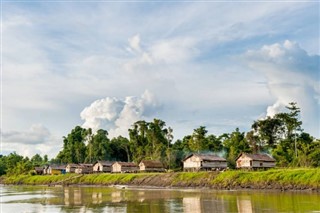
292, 76
117, 115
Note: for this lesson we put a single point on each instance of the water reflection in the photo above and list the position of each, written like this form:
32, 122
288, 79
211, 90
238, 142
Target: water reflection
191, 204
244, 204
108, 199
96, 197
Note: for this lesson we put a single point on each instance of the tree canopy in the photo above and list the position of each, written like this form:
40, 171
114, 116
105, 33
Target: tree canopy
281, 136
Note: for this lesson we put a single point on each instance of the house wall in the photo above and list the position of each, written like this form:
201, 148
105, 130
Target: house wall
246, 162
97, 167
154, 169
217, 164
129, 169
70, 169
55, 172
243, 161
263, 164
46, 171
107, 169
192, 162
83, 170
142, 167
116, 167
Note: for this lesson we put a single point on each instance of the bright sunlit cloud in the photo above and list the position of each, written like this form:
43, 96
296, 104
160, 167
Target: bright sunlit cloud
108, 64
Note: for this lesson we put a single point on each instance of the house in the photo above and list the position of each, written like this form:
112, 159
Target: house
38, 170
151, 166
46, 169
102, 166
207, 162
124, 167
83, 168
56, 170
71, 168
255, 161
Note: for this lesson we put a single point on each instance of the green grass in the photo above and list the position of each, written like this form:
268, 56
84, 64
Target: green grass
297, 178
300, 178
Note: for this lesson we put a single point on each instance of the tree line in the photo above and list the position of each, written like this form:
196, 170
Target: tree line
281, 136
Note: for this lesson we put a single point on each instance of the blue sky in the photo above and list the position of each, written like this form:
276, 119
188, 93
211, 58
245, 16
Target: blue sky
108, 64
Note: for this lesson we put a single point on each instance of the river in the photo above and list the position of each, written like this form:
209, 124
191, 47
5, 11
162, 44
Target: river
42, 199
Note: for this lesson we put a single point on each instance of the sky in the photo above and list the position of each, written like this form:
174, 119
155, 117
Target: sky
107, 64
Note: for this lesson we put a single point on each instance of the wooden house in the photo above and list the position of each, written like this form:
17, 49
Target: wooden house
46, 170
255, 161
71, 168
206, 162
151, 166
38, 170
56, 169
83, 168
102, 166
124, 167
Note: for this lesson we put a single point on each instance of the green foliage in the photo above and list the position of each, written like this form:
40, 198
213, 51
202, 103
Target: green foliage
235, 143
280, 135
198, 140
98, 147
120, 149
74, 148
149, 140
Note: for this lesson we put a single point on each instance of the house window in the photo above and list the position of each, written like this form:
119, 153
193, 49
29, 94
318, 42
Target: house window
261, 164
251, 163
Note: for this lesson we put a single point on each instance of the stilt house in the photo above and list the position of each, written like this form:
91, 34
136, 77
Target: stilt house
204, 162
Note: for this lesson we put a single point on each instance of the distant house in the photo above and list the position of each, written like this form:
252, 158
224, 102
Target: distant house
206, 162
83, 168
38, 170
124, 167
102, 166
56, 169
151, 166
71, 168
46, 169
255, 161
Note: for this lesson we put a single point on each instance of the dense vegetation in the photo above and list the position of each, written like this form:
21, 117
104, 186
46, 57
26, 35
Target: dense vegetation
283, 179
281, 136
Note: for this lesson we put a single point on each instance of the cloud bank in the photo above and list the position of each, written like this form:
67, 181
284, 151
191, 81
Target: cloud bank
292, 76
36, 140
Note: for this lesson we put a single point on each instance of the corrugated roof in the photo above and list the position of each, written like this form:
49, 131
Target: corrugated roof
58, 167
127, 164
261, 157
72, 165
152, 164
85, 165
105, 163
206, 157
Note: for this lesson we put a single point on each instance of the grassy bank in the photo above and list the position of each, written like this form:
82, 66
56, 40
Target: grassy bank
283, 179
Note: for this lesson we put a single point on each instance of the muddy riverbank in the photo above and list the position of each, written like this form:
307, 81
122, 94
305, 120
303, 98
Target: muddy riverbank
275, 179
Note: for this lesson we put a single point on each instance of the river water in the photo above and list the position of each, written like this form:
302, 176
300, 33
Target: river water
42, 199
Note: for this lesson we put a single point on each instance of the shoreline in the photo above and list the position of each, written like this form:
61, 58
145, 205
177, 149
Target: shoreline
306, 179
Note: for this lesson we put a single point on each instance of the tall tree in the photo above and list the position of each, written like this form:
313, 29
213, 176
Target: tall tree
286, 151
138, 140
214, 143
98, 147
198, 140
235, 143
120, 149
74, 148
268, 131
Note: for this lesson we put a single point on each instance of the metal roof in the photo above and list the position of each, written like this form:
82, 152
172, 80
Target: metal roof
206, 157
